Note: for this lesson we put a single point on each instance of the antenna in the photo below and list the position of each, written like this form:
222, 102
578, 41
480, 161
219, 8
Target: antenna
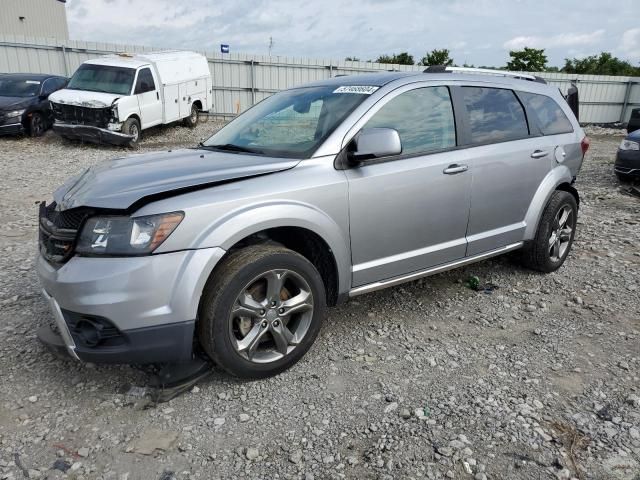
270, 45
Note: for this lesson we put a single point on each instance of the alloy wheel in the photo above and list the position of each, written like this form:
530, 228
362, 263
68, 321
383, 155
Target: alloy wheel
561, 232
271, 316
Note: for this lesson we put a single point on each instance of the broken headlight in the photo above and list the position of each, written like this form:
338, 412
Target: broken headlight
126, 235
629, 145
115, 117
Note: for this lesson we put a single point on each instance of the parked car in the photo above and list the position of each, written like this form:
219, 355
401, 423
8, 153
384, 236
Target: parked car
314, 195
627, 165
634, 121
24, 104
113, 98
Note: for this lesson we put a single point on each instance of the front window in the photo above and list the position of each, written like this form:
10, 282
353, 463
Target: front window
103, 78
292, 123
19, 87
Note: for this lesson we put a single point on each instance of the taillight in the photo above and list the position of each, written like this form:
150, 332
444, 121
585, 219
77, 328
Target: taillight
584, 145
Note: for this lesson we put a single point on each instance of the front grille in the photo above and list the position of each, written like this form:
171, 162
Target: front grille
58, 231
97, 117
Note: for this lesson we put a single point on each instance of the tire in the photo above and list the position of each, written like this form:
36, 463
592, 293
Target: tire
37, 125
222, 324
132, 127
552, 243
192, 120
623, 178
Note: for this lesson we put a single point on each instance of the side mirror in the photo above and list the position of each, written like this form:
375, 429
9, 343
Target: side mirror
374, 143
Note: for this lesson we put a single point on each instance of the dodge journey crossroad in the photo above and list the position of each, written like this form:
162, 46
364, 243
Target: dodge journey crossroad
235, 248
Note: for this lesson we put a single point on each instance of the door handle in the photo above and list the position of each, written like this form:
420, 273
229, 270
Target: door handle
539, 154
158, 95
455, 168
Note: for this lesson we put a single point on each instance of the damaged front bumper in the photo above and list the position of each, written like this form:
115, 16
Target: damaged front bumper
92, 134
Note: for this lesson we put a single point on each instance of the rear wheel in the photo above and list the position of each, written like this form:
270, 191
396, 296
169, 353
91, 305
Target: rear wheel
261, 311
554, 238
132, 127
192, 120
36, 125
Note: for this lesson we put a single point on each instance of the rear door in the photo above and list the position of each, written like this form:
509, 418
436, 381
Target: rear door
148, 98
510, 161
409, 212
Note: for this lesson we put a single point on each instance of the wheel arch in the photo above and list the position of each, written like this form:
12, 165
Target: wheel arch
300, 227
560, 178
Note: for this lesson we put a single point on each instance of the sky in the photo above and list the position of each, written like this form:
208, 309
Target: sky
479, 32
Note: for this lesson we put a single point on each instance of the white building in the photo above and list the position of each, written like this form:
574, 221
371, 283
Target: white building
34, 18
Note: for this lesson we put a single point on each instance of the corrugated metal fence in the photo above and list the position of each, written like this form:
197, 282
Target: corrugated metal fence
241, 80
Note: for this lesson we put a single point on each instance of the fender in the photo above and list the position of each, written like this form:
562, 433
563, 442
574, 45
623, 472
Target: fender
238, 224
556, 177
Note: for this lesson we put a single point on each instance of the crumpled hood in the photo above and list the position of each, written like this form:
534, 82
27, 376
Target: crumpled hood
83, 98
14, 103
119, 183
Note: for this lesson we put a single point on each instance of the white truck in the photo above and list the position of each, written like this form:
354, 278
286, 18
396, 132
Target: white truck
113, 98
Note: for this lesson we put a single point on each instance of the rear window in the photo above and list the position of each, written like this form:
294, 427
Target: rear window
551, 118
495, 115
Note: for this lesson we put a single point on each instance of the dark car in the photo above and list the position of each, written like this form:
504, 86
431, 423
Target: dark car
627, 166
24, 102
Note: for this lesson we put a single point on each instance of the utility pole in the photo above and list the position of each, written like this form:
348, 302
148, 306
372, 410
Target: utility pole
270, 45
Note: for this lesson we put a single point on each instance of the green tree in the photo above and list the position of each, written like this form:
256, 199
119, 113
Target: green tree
401, 59
437, 57
603, 64
527, 60
352, 59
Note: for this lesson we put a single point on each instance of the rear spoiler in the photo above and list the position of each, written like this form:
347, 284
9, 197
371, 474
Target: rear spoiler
573, 100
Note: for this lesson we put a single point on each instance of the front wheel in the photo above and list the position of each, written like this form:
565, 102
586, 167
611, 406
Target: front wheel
261, 311
132, 127
37, 125
554, 238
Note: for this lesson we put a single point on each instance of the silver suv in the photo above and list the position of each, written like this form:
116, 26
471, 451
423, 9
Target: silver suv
314, 195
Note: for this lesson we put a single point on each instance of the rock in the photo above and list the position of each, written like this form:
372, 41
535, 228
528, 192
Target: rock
296, 457
445, 451
244, 417
252, 453
61, 465
391, 407
623, 365
168, 410
219, 421
405, 413
83, 452
153, 440
33, 398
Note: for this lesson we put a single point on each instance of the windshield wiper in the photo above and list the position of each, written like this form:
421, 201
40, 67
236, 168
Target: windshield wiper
230, 147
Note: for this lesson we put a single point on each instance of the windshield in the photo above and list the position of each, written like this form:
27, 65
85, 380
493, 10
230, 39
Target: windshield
103, 78
19, 87
291, 124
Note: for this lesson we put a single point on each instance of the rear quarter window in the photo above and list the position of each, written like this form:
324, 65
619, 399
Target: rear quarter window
495, 115
551, 118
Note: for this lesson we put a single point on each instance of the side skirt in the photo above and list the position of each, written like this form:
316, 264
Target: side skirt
372, 287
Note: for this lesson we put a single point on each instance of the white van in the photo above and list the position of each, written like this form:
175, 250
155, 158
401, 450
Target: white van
113, 98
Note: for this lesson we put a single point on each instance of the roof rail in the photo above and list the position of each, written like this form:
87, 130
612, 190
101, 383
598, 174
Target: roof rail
483, 71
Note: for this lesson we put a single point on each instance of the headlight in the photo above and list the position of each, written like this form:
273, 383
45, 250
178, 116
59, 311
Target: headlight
629, 145
15, 113
115, 116
126, 235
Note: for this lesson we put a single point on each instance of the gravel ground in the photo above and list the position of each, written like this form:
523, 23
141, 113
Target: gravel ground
537, 379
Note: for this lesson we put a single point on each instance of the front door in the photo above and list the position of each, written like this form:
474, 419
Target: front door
148, 99
410, 212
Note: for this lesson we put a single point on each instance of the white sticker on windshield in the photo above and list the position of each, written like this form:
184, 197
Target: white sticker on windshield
32, 82
361, 89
